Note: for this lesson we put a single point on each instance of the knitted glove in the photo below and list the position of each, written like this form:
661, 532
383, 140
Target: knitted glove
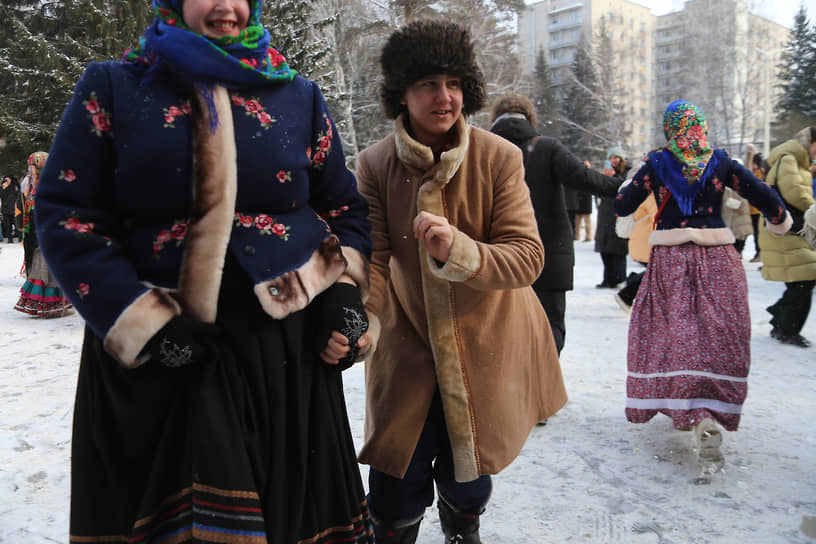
181, 342
340, 308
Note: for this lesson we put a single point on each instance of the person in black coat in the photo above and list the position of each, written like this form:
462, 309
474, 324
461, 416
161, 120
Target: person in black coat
613, 248
550, 169
8, 197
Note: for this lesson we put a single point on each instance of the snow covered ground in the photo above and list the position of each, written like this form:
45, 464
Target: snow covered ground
586, 477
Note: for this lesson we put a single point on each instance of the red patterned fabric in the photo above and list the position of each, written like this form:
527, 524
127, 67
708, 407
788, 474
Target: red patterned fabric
689, 337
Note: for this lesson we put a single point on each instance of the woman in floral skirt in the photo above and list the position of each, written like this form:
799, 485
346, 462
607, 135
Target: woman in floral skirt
689, 334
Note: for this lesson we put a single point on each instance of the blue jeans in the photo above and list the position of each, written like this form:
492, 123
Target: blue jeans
392, 499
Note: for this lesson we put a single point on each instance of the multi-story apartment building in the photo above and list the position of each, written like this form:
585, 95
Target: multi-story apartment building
663, 58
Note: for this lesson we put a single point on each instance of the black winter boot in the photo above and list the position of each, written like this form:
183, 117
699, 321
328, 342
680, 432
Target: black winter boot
403, 531
459, 526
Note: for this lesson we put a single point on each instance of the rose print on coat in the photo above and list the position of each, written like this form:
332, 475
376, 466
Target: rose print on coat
284, 175
266, 225
334, 213
67, 175
175, 233
82, 290
172, 112
72, 222
254, 108
735, 182
100, 118
324, 145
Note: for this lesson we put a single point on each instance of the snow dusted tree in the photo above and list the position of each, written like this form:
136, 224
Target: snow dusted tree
354, 36
797, 71
612, 124
294, 28
44, 47
544, 98
581, 110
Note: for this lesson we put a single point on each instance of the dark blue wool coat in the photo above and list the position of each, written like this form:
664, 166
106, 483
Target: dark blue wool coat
131, 174
705, 225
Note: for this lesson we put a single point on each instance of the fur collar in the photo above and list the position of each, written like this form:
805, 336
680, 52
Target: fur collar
420, 156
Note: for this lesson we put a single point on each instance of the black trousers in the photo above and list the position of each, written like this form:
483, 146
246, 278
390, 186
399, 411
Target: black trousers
755, 224
394, 499
791, 311
629, 291
614, 268
555, 304
7, 221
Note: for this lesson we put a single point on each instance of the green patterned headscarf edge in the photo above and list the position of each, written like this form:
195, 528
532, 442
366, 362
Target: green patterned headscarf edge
247, 57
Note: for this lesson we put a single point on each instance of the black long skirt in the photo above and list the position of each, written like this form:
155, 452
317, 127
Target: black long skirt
252, 446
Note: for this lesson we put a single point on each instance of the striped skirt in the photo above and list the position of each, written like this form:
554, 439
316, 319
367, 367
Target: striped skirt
40, 295
250, 447
689, 337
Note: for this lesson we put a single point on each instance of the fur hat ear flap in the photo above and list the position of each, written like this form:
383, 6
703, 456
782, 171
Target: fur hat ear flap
425, 48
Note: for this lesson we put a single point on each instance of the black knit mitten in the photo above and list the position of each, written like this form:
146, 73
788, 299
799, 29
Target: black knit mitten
182, 341
340, 308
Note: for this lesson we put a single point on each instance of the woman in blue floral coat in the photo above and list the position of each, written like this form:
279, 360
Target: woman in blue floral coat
197, 210
690, 330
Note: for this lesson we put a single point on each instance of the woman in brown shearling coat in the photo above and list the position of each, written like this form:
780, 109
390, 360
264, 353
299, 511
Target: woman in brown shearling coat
465, 364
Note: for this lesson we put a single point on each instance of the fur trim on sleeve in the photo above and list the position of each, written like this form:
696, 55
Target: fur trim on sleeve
293, 290
137, 324
464, 261
782, 227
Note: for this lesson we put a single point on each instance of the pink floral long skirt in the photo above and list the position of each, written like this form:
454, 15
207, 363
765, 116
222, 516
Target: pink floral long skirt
689, 337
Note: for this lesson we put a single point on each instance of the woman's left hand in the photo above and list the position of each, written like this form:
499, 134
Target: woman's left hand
338, 347
436, 233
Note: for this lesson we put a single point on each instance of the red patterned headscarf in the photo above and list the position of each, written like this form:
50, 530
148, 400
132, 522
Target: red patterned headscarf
686, 131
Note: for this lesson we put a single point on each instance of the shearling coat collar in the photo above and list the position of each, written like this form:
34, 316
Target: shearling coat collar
420, 156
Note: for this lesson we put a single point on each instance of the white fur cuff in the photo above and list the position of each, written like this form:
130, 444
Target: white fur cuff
464, 260
137, 325
782, 227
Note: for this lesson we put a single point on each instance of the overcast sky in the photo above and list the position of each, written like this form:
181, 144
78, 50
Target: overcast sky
779, 11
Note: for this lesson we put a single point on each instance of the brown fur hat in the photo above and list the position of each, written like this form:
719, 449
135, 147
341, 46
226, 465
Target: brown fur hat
424, 48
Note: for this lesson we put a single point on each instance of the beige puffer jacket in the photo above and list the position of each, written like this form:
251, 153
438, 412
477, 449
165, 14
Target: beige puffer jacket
788, 257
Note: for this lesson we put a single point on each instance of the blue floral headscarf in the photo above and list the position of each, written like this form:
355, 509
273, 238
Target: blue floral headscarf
687, 160
233, 61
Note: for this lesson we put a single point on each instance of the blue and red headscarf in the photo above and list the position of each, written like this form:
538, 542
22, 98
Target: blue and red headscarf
687, 160
232, 61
